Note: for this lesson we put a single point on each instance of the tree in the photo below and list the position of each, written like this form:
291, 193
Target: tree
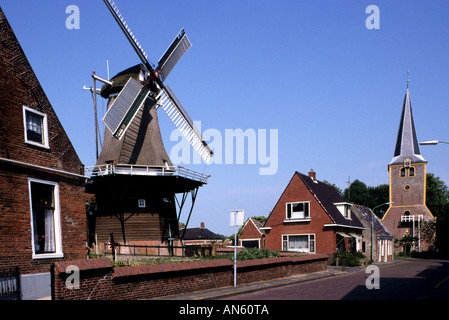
437, 200
357, 193
369, 197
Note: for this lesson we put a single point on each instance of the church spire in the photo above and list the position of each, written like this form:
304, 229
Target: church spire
407, 146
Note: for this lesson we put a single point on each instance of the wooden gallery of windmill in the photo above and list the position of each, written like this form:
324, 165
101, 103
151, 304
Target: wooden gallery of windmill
139, 193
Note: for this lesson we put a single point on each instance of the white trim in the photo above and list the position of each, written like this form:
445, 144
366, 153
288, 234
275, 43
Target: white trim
342, 225
45, 143
252, 221
40, 167
57, 221
255, 239
295, 219
302, 234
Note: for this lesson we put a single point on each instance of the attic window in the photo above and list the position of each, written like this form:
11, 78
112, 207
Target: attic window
36, 132
298, 210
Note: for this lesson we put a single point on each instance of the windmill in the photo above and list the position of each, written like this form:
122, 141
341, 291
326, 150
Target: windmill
134, 181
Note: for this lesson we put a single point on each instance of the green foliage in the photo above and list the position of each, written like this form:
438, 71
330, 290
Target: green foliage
370, 197
349, 258
255, 253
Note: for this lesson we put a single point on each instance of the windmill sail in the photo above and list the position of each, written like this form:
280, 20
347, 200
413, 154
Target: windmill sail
121, 113
175, 51
174, 110
129, 35
133, 95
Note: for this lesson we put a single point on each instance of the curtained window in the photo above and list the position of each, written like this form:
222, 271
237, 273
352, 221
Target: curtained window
45, 217
299, 243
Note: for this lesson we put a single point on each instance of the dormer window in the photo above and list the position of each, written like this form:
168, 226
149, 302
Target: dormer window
344, 208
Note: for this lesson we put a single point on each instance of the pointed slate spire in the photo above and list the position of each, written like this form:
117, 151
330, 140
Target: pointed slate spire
407, 146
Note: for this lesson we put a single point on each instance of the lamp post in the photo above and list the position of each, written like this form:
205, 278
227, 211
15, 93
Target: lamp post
432, 142
372, 227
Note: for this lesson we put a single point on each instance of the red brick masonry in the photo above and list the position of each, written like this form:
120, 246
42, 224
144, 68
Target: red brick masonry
99, 280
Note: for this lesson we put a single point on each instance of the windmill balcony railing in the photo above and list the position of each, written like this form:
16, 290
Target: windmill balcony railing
139, 170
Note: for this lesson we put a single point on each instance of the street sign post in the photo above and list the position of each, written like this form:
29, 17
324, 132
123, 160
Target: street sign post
236, 220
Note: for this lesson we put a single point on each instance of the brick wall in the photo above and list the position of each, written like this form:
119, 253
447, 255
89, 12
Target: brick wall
20, 87
296, 191
99, 280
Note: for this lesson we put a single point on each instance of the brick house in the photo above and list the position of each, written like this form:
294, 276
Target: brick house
312, 217
252, 236
381, 237
199, 236
42, 201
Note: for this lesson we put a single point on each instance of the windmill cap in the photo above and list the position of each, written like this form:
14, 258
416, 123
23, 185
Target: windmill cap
120, 79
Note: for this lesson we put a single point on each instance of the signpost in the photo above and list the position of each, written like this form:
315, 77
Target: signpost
236, 220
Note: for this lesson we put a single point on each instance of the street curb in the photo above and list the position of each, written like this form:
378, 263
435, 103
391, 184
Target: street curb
212, 294
271, 286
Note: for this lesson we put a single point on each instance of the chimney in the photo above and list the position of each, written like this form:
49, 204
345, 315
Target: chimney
202, 225
312, 175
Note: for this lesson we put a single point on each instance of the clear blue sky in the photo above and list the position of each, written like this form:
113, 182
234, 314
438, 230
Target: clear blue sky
310, 69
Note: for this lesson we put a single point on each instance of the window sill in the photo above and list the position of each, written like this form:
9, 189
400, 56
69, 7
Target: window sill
37, 144
292, 220
48, 255
306, 250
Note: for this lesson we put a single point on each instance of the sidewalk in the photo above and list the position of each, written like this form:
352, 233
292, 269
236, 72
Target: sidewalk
217, 293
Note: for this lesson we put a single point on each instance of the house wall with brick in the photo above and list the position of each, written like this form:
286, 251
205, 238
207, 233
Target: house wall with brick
297, 191
323, 226
251, 233
23, 164
99, 280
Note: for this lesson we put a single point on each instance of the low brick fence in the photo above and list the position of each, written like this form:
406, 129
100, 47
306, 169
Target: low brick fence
99, 280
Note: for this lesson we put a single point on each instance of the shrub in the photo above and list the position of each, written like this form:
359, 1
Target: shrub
350, 258
255, 253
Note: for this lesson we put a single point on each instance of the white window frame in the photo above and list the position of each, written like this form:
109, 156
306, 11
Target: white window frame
345, 209
298, 217
44, 143
305, 250
243, 240
141, 203
57, 221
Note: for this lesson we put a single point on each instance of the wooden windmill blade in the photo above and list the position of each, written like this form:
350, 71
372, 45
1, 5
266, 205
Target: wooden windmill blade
177, 114
175, 51
129, 35
123, 110
131, 98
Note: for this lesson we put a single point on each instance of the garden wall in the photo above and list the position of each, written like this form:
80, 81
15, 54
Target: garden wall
99, 280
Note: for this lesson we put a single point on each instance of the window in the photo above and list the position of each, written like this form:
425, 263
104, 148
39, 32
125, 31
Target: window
403, 172
35, 124
407, 172
141, 203
344, 208
299, 243
298, 210
45, 223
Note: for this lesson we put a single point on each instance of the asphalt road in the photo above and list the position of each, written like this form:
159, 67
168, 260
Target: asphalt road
402, 280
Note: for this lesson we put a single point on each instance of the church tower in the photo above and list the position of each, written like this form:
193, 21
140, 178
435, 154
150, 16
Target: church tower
407, 173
